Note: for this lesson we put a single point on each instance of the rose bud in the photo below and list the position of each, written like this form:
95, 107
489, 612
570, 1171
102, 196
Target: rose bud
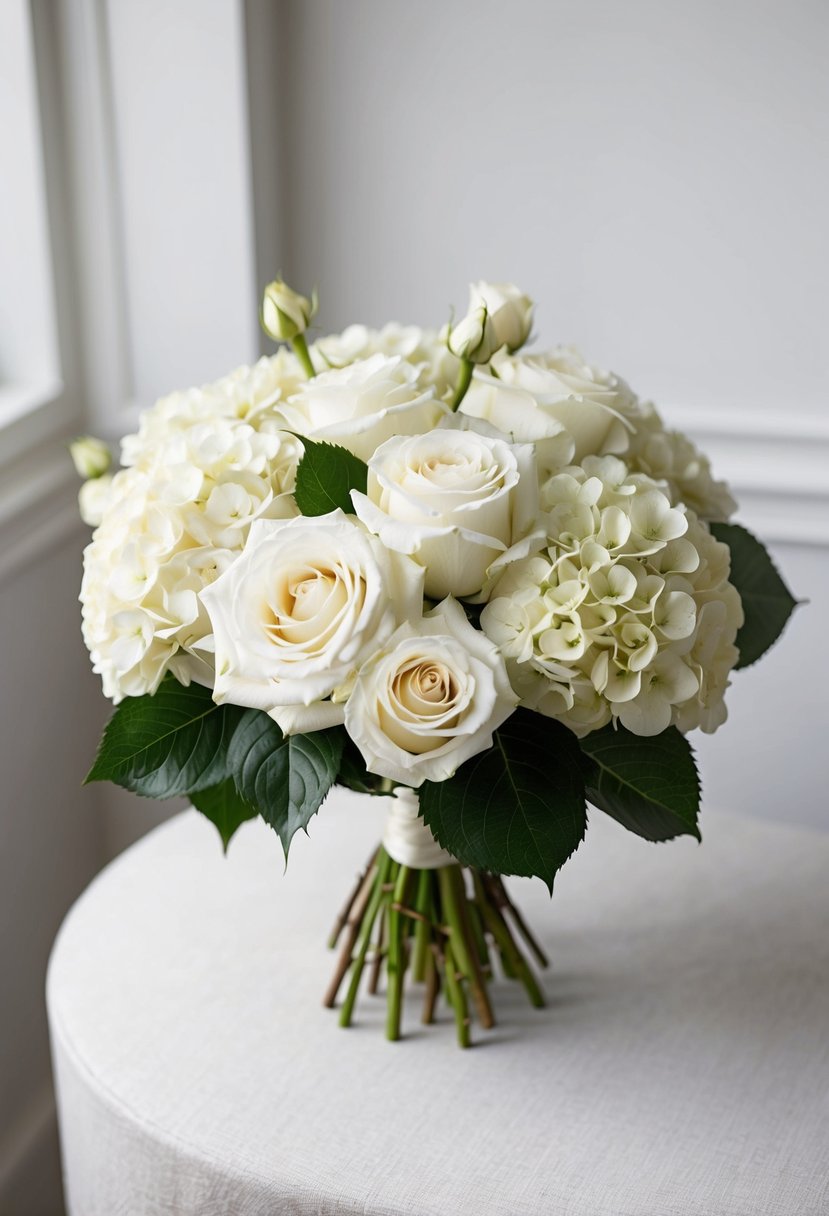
510, 312
285, 313
91, 457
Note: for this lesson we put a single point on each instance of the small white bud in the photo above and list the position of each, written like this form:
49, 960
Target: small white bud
93, 499
474, 338
91, 457
285, 313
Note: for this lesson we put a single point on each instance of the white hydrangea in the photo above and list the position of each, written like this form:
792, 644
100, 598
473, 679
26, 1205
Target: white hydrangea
204, 465
626, 615
249, 394
672, 459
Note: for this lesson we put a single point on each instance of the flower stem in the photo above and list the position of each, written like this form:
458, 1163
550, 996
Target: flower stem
301, 351
514, 962
432, 987
464, 379
454, 991
521, 925
397, 956
476, 921
342, 919
464, 947
423, 929
355, 920
377, 895
380, 951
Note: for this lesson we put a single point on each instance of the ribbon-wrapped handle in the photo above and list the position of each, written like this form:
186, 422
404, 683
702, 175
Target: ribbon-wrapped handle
408, 840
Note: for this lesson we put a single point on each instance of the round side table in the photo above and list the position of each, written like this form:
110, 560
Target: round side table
681, 1066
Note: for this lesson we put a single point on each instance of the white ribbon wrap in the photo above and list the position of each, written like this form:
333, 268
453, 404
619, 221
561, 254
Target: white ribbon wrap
407, 839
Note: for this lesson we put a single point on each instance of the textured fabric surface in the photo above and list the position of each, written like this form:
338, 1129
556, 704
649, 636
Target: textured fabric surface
681, 1067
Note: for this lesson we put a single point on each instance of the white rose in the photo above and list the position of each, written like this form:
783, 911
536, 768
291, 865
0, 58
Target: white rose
362, 405
535, 397
463, 504
302, 607
429, 699
510, 312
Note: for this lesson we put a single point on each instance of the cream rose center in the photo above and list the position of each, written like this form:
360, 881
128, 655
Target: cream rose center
307, 605
425, 701
453, 469
425, 689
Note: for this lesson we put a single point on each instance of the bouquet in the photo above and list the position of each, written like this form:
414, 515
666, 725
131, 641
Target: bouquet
489, 585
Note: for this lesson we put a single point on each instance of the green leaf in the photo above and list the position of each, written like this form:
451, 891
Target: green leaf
223, 806
326, 476
285, 778
174, 742
517, 808
767, 601
353, 773
650, 785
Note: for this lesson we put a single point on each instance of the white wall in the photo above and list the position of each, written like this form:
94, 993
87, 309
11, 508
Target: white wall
184, 192
653, 172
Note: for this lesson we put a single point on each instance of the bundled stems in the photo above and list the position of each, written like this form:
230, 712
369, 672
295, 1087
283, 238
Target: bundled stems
440, 928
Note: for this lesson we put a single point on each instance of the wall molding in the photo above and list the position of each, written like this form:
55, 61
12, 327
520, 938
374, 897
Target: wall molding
778, 467
38, 508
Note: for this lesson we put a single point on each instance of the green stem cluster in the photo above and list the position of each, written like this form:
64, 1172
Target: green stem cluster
441, 927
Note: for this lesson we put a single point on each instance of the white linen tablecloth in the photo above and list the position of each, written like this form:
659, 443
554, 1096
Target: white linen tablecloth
681, 1067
